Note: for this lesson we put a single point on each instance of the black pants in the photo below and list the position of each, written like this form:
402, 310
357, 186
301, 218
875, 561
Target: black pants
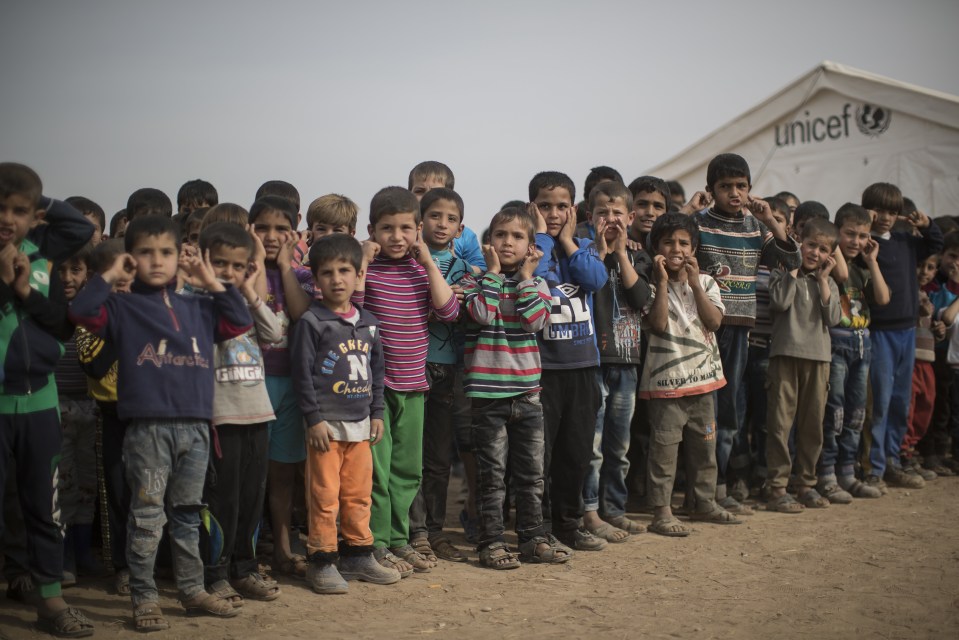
118, 491
234, 492
571, 400
32, 441
14, 539
945, 415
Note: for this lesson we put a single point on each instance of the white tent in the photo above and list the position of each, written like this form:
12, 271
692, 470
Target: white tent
833, 132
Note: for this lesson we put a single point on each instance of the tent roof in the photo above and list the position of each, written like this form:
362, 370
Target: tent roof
935, 106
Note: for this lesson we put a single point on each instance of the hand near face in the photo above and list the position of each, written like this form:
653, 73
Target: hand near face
537, 216
528, 268
492, 259
698, 202
659, 269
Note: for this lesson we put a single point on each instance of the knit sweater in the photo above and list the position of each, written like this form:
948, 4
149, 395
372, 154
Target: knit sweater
502, 354
731, 248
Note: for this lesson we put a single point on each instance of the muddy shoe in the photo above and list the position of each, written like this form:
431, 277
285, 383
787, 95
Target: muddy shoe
877, 483
913, 467
581, 540
366, 569
324, 578
896, 477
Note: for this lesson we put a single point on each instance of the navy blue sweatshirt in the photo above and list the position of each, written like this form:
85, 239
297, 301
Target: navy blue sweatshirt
164, 344
338, 367
898, 258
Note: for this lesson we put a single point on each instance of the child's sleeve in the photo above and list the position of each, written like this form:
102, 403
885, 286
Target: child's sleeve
92, 308
832, 312
268, 329
482, 299
778, 254
638, 294
585, 267
232, 317
782, 290
378, 371
64, 230
467, 248
47, 312
533, 303
545, 243
95, 354
931, 242
304, 348
712, 291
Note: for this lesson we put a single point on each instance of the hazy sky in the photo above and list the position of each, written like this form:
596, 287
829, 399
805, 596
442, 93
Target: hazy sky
104, 97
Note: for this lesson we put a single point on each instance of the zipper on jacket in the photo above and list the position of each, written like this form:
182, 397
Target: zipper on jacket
169, 306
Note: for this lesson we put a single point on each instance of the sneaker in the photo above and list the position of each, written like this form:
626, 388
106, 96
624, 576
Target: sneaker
912, 466
896, 477
937, 466
739, 491
366, 569
581, 540
876, 482
834, 493
324, 578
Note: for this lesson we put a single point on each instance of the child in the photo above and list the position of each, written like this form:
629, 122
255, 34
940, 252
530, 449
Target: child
805, 212
331, 213
804, 304
287, 291
864, 289
681, 370
164, 345
570, 358
241, 413
148, 202
196, 194
596, 176
506, 308
403, 287
893, 329
446, 413
616, 311
288, 192
650, 200
33, 323
338, 375
92, 212
731, 247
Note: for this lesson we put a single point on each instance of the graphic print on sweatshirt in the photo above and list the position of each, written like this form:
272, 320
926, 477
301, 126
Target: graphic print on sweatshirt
352, 358
569, 317
239, 361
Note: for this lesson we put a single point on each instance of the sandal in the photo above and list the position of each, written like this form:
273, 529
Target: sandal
121, 583
294, 566
390, 561
148, 617
420, 563
533, 550
735, 507
222, 590
443, 548
68, 623
784, 504
716, 516
498, 556
610, 533
421, 545
812, 500
257, 587
207, 603
670, 527
629, 526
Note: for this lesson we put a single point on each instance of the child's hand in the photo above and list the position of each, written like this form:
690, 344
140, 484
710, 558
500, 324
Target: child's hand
8, 256
632, 245
917, 219
376, 430
528, 268
458, 292
938, 330
698, 202
925, 305
825, 269
248, 288
762, 211
421, 251
284, 259
568, 232
692, 272
259, 253
492, 259
21, 277
870, 251
318, 436
659, 269
124, 267
370, 250
600, 241
538, 218
199, 272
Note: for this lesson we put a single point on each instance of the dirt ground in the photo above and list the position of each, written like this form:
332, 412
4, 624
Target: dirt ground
885, 568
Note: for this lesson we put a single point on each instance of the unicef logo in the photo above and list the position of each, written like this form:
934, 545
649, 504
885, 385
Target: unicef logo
872, 120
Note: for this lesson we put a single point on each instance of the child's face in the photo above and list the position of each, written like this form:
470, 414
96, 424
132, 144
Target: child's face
98, 230
336, 279
883, 221
852, 239
73, 275
556, 205
273, 229
927, 270
792, 203
647, 206
156, 258
618, 218
320, 229
676, 248
948, 260
730, 194
193, 234
781, 219
423, 184
17, 216
395, 233
510, 241
230, 264
814, 250
441, 224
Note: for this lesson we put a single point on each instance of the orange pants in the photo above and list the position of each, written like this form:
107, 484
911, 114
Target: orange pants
339, 481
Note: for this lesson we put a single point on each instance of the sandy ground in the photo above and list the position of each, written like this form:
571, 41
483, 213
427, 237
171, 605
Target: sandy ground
885, 568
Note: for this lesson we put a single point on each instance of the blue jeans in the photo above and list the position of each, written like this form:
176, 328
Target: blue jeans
893, 357
730, 406
848, 383
606, 482
753, 393
166, 462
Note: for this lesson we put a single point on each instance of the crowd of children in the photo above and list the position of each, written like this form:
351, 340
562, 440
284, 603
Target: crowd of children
198, 377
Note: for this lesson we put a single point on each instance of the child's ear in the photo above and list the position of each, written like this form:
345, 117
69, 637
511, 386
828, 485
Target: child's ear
370, 229
709, 190
38, 217
460, 232
353, 231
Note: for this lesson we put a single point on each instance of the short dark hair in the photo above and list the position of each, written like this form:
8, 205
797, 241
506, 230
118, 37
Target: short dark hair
808, 210
197, 192
19, 179
883, 196
851, 213
105, 254
225, 234
950, 241
441, 194
432, 168
82, 254
551, 180
815, 227
650, 184
145, 226
674, 188
611, 190
115, 221
335, 246
279, 204
946, 224
148, 202
669, 223
597, 175
508, 214
86, 206
282, 189
518, 204
782, 195
727, 165
908, 206
778, 204
332, 209
226, 212
392, 200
